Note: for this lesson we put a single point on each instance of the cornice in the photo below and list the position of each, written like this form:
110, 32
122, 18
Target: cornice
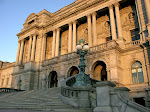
24, 72
28, 29
8, 66
76, 8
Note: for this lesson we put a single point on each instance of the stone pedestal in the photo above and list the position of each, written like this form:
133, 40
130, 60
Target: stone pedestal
18, 68
121, 41
103, 96
147, 99
29, 65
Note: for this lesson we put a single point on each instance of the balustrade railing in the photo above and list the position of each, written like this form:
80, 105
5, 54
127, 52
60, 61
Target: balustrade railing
9, 90
98, 47
133, 43
74, 95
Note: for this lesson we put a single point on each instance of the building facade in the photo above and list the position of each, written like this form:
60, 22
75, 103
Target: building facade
117, 32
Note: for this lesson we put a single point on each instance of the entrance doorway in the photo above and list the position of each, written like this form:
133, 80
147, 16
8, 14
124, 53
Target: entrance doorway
99, 71
72, 71
52, 79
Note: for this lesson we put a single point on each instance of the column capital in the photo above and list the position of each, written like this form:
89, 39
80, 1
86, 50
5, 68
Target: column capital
116, 4
34, 34
94, 13
88, 15
75, 22
22, 40
54, 30
110, 6
58, 29
45, 35
70, 23
30, 36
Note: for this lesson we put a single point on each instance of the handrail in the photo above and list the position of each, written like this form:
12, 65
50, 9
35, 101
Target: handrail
131, 103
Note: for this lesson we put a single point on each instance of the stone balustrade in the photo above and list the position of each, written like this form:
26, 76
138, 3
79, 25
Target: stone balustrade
8, 90
133, 44
101, 96
61, 58
77, 96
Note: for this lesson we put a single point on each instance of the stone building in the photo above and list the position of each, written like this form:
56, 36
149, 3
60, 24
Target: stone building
117, 32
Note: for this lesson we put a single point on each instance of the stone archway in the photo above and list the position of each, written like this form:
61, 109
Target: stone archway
72, 71
99, 71
52, 79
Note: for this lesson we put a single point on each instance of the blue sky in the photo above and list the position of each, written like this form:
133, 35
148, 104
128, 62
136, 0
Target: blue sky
13, 14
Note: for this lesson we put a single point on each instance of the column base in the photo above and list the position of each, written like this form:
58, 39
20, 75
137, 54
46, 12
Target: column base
121, 41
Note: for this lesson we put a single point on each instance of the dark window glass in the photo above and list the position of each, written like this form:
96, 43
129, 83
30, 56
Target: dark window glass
135, 34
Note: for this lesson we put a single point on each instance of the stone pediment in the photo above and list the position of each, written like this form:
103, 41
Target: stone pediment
30, 16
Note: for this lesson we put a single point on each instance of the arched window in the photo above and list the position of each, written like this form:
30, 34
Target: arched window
137, 72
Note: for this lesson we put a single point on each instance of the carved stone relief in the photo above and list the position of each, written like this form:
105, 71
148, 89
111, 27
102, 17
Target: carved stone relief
103, 29
49, 47
129, 21
82, 32
129, 17
64, 42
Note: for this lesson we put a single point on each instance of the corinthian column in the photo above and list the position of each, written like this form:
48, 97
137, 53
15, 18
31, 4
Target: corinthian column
74, 35
21, 52
119, 28
94, 29
112, 22
44, 47
53, 44
33, 47
70, 38
18, 51
89, 30
29, 51
57, 42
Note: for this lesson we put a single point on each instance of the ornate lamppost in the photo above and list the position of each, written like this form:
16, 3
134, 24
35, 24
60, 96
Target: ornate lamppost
81, 78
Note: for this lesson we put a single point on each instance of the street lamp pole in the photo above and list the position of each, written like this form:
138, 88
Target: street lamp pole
81, 78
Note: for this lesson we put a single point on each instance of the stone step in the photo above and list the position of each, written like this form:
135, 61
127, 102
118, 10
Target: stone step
55, 110
37, 106
40, 100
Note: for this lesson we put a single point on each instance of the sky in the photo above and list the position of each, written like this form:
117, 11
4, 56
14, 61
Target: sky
13, 14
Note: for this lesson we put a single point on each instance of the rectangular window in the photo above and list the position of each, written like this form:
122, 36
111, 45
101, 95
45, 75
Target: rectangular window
135, 34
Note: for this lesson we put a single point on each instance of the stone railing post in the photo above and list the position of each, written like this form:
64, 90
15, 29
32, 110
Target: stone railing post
103, 96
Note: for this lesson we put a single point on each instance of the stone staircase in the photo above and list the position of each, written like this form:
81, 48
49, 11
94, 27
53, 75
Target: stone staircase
41, 100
